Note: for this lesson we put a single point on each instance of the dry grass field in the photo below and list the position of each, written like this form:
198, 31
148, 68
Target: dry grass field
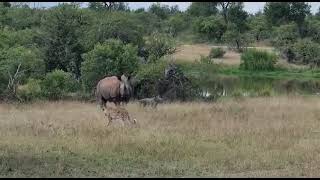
254, 137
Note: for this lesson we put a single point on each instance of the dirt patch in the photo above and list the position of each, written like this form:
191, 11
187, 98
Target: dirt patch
193, 52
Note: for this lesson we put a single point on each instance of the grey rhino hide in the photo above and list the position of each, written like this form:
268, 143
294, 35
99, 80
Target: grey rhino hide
125, 87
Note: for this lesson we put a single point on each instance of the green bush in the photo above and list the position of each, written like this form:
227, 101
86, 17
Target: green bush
212, 27
205, 60
108, 59
57, 84
127, 27
283, 39
237, 40
30, 91
159, 45
253, 59
29, 59
176, 24
216, 53
148, 76
307, 52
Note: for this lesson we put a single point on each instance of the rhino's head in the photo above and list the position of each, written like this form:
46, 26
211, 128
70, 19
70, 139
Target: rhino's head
126, 89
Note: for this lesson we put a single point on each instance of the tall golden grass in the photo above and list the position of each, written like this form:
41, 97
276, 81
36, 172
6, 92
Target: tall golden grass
254, 137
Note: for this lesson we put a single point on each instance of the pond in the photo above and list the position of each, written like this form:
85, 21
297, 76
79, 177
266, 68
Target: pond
256, 86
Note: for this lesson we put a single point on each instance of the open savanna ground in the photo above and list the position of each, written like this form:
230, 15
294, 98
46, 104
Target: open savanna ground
254, 137
193, 52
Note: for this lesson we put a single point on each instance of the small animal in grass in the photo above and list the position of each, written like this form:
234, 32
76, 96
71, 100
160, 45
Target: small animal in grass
154, 101
118, 113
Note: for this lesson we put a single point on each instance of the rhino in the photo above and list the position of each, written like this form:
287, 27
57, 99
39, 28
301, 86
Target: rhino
114, 89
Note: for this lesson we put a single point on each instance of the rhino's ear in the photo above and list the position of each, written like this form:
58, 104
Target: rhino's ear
119, 77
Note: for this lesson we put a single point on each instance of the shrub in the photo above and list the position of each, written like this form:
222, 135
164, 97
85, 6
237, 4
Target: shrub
307, 52
212, 27
176, 24
284, 37
159, 45
127, 27
253, 59
108, 59
57, 84
216, 53
148, 76
205, 60
239, 95
30, 91
30, 60
236, 39
265, 92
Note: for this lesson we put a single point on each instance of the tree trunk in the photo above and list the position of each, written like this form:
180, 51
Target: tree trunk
224, 6
238, 46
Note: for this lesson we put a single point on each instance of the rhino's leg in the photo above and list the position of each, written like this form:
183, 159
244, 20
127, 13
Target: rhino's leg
109, 120
102, 103
117, 103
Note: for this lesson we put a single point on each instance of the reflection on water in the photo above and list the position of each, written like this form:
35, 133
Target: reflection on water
256, 86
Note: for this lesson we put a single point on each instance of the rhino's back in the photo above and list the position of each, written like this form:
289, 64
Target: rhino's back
109, 87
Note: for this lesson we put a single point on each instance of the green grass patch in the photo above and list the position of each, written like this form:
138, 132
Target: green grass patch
197, 69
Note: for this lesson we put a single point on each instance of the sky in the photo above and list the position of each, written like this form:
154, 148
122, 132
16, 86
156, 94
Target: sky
251, 7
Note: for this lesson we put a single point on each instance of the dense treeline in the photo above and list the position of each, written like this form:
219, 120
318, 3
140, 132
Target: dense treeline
67, 49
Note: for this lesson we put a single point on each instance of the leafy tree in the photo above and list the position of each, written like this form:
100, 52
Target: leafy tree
23, 17
212, 27
147, 22
110, 6
158, 45
162, 11
176, 24
20, 4
313, 29
236, 35
259, 27
32, 64
139, 10
96, 5
10, 38
238, 16
298, 13
108, 59
278, 13
203, 8
225, 7
118, 25
174, 10
307, 52
61, 39
4, 19
16, 65
284, 38
236, 39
